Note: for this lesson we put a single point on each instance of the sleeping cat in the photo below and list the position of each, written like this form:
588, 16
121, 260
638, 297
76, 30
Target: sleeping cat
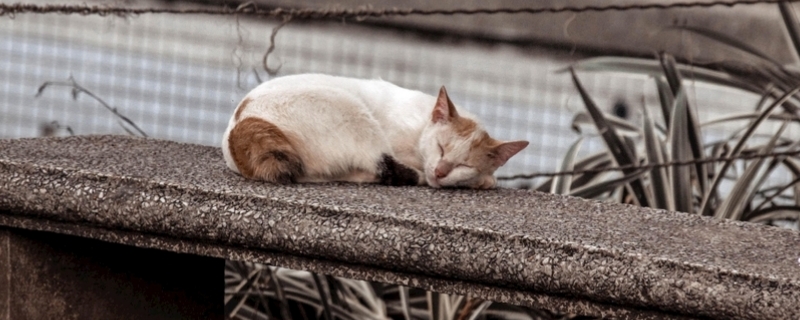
320, 128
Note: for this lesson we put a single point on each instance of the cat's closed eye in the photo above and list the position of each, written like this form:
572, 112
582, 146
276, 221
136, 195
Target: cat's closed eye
441, 150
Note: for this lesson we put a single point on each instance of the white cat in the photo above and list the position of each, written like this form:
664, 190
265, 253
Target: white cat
320, 128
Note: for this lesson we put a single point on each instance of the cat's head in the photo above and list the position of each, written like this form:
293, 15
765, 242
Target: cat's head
457, 151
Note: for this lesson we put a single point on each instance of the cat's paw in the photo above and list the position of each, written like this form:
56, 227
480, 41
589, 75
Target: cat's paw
394, 173
486, 182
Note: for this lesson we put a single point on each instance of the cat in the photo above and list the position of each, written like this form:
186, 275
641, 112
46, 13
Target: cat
319, 128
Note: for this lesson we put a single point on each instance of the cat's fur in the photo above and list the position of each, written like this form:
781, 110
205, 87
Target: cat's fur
318, 128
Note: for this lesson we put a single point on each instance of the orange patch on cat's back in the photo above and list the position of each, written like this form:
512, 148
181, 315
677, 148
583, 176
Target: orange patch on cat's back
252, 138
242, 105
464, 127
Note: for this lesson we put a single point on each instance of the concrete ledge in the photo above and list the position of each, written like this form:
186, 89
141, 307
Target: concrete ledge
514, 246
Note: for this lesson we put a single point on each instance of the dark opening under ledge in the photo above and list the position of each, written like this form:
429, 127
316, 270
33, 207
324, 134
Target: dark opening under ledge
515, 246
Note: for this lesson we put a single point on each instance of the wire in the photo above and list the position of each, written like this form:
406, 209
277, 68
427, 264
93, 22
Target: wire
13, 9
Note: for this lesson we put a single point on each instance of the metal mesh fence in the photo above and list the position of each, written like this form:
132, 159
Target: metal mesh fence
180, 77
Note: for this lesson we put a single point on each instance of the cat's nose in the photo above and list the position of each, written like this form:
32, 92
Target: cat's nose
443, 169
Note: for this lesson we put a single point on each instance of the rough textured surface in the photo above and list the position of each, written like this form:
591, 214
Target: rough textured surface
53, 276
5, 275
510, 245
563, 305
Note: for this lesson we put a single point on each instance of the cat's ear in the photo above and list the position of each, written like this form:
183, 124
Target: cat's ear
504, 151
444, 109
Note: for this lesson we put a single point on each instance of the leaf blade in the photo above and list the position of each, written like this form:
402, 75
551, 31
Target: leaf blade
679, 151
712, 189
561, 184
614, 143
594, 190
653, 68
733, 205
792, 25
660, 185
695, 139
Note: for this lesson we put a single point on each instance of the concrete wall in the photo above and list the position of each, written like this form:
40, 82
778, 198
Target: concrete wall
52, 276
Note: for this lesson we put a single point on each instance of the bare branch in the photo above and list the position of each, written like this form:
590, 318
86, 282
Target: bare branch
78, 89
271, 71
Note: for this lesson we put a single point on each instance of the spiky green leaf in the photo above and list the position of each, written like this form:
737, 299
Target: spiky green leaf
776, 213
623, 127
680, 151
751, 128
404, 305
659, 182
732, 207
618, 149
792, 25
750, 116
695, 138
653, 68
595, 161
596, 189
666, 99
561, 184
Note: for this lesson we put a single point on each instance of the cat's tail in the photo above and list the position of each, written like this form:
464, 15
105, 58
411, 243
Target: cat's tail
262, 151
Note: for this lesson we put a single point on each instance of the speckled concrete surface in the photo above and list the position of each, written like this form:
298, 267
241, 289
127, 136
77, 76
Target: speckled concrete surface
591, 254
559, 304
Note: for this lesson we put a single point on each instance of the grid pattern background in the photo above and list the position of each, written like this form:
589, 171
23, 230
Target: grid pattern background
180, 77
